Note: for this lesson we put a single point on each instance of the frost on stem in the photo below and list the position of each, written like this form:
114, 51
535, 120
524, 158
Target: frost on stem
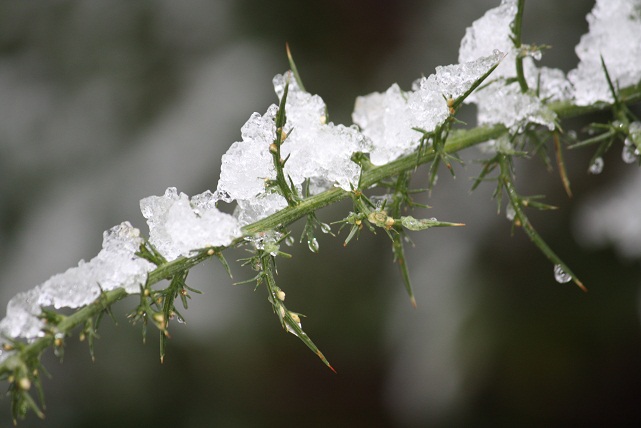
178, 225
502, 101
116, 265
388, 118
314, 150
615, 35
317, 150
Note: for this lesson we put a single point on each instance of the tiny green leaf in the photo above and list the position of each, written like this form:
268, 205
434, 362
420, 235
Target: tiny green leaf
410, 223
294, 69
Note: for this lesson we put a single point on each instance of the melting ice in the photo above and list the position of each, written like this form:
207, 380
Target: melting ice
116, 265
316, 150
500, 102
388, 118
178, 225
615, 35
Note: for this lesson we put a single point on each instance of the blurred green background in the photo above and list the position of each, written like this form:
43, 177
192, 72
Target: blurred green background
104, 103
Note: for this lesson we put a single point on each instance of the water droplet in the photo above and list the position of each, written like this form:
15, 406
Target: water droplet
326, 228
289, 241
510, 213
560, 275
628, 154
597, 166
313, 245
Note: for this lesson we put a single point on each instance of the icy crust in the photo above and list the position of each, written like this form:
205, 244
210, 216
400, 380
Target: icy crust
388, 118
492, 31
251, 210
178, 225
615, 35
248, 163
116, 265
504, 103
551, 83
315, 150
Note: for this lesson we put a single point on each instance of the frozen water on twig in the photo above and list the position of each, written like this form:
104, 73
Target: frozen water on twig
116, 265
315, 150
551, 83
615, 35
504, 103
251, 210
248, 163
388, 118
492, 31
177, 225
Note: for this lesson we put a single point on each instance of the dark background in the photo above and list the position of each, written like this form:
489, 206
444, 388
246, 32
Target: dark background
104, 103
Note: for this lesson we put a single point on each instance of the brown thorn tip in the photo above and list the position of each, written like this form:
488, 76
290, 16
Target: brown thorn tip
413, 302
581, 286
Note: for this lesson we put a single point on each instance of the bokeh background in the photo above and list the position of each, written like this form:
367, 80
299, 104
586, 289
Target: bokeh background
104, 103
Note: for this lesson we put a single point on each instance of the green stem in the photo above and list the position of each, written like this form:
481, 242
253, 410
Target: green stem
516, 32
66, 325
517, 203
457, 141
279, 163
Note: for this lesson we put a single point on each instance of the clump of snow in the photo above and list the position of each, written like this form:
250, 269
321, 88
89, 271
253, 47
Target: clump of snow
492, 31
615, 35
388, 118
506, 104
116, 265
551, 83
502, 101
315, 150
248, 163
178, 225
251, 210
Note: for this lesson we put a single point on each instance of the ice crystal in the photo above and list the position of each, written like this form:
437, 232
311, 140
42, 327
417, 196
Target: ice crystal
317, 150
177, 225
395, 120
502, 101
492, 31
506, 104
615, 36
116, 265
